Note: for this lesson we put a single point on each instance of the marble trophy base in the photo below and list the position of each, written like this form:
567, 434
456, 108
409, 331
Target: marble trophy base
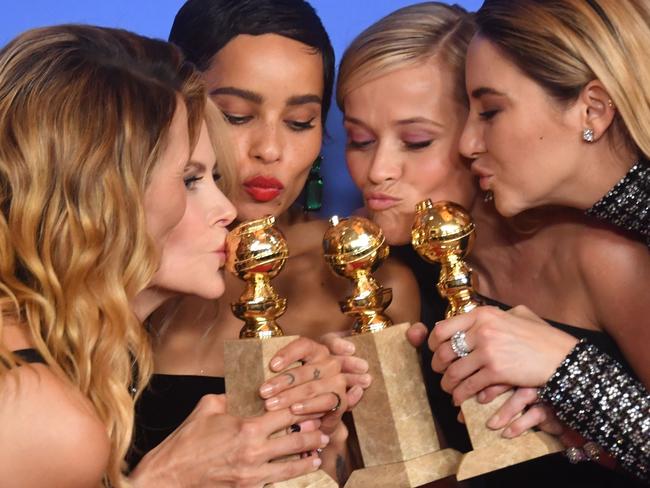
246, 368
491, 451
393, 421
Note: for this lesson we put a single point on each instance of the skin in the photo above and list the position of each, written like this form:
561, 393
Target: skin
557, 255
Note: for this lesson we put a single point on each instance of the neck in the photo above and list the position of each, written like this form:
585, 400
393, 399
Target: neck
149, 300
605, 166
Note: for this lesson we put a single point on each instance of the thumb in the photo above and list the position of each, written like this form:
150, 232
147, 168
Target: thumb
417, 334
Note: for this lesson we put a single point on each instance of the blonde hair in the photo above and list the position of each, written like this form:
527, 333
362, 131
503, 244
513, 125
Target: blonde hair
563, 45
84, 117
407, 37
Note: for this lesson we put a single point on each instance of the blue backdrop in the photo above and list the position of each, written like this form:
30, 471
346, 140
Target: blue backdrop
342, 18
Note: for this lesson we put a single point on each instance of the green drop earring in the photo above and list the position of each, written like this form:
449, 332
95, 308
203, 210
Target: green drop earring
313, 191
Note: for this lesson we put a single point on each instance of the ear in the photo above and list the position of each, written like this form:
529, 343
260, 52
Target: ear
598, 110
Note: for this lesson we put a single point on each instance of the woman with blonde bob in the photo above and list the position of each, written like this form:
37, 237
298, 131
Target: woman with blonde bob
559, 116
402, 90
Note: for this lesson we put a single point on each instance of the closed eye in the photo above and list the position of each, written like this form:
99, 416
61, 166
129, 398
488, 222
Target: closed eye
237, 119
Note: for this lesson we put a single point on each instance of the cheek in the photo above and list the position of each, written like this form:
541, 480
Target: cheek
164, 208
300, 153
357, 167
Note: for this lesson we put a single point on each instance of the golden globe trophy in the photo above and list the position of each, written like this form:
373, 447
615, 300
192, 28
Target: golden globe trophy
443, 232
257, 252
393, 421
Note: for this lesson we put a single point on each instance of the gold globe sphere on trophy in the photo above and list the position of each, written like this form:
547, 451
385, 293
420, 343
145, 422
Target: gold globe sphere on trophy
443, 232
257, 252
393, 420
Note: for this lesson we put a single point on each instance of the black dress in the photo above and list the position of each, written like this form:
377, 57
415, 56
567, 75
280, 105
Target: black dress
166, 402
553, 471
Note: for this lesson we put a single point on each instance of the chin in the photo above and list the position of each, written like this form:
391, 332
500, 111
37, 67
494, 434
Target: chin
396, 233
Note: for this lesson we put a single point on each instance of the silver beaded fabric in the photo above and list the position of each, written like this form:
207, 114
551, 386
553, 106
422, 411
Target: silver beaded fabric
594, 395
627, 205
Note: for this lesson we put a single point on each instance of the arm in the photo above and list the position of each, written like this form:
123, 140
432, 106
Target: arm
595, 396
48, 431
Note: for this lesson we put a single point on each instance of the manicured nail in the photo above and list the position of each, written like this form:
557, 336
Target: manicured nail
493, 422
507, 433
366, 379
266, 390
276, 364
295, 428
272, 403
297, 407
316, 462
481, 396
349, 347
324, 440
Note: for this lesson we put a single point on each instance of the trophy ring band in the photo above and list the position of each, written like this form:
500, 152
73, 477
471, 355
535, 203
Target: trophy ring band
338, 402
459, 344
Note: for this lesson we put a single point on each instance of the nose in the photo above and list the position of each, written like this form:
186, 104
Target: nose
223, 211
472, 144
266, 143
386, 164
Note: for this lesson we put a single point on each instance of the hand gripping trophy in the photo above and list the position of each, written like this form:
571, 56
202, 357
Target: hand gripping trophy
443, 232
257, 252
393, 421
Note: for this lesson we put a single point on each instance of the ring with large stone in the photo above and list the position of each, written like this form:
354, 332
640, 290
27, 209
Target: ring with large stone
459, 344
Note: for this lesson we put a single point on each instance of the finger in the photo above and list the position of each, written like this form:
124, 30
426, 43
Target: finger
353, 364
513, 407
331, 401
443, 357
290, 379
361, 380
491, 392
444, 329
531, 418
472, 385
354, 396
417, 334
337, 344
271, 422
552, 425
523, 312
294, 443
285, 470
302, 349
460, 417
458, 371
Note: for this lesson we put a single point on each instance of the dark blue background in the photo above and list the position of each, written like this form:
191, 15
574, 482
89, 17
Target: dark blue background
342, 18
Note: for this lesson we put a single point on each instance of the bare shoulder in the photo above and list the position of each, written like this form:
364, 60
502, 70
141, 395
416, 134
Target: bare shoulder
49, 432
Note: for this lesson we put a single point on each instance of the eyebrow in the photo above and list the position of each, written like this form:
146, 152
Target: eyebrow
413, 120
238, 92
195, 165
486, 90
304, 99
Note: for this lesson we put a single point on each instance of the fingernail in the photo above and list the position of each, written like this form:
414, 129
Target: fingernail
507, 433
493, 422
481, 396
297, 407
295, 428
324, 440
276, 363
272, 403
316, 462
349, 347
366, 379
266, 390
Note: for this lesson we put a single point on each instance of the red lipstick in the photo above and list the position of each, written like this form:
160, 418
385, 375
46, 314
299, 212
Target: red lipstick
263, 188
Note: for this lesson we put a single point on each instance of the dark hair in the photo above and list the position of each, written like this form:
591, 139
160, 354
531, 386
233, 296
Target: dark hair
203, 27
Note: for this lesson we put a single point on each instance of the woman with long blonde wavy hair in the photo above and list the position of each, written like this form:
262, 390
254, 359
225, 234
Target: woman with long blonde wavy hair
95, 131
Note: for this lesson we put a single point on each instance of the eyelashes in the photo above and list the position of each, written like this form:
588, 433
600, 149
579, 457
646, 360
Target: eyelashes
294, 125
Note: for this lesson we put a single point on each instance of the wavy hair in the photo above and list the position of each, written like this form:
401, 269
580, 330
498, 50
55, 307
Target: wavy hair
407, 37
564, 44
84, 117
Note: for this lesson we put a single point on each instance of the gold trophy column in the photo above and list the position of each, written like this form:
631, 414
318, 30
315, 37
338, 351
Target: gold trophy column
443, 232
393, 421
257, 251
